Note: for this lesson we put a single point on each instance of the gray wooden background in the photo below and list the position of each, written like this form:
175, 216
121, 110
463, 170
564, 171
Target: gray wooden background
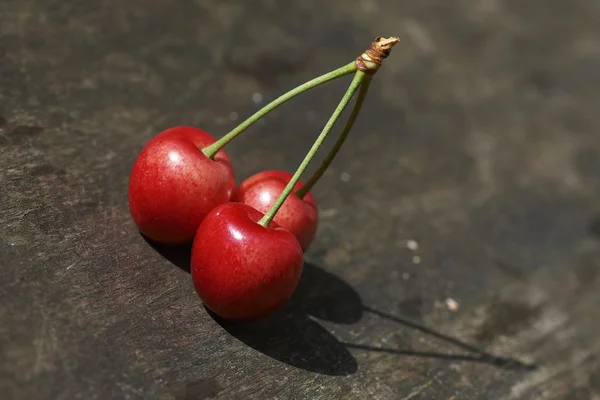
458, 251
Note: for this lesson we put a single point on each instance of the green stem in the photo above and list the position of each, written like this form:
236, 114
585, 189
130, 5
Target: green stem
211, 151
364, 88
354, 85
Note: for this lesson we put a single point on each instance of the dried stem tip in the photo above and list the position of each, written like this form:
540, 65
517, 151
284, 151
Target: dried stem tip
371, 59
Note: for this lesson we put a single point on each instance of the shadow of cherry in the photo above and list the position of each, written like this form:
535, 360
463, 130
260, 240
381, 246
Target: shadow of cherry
325, 296
178, 255
296, 340
320, 294
292, 337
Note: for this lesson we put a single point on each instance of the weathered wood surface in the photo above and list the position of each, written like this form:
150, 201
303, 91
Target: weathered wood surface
480, 141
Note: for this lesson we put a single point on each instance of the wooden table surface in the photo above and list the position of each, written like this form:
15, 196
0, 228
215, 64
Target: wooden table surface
459, 245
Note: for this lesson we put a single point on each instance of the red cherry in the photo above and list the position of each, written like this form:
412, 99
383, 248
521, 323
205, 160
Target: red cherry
174, 185
242, 270
299, 216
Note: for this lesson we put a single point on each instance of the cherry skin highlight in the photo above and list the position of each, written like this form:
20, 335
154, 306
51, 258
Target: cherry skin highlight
242, 270
173, 185
299, 216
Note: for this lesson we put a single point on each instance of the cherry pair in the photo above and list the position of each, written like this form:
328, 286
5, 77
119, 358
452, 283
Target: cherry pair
173, 186
247, 254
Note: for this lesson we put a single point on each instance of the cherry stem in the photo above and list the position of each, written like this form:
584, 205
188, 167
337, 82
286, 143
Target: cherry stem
354, 85
364, 88
213, 149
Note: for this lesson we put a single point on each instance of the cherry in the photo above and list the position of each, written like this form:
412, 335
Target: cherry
183, 173
297, 215
241, 269
173, 185
244, 266
269, 191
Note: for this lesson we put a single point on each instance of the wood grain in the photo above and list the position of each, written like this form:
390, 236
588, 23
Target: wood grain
478, 144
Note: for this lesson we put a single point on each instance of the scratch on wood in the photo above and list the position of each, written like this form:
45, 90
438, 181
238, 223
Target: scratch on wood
419, 389
160, 295
22, 215
128, 388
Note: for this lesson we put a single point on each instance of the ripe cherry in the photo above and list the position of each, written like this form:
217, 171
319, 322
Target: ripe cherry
297, 215
173, 185
241, 269
242, 266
